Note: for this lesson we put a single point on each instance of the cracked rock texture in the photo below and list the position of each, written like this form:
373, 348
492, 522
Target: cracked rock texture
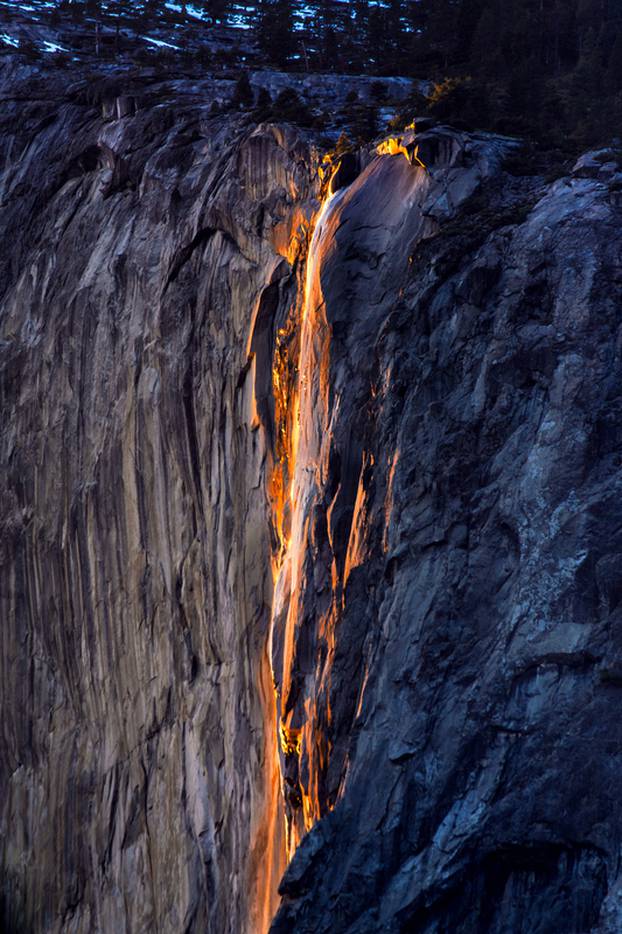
465, 528
135, 531
474, 458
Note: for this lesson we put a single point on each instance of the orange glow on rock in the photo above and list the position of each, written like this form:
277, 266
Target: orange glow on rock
388, 502
268, 853
313, 561
359, 531
404, 144
300, 377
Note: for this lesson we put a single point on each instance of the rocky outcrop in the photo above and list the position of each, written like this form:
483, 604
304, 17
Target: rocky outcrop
414, 433
467, 514
136, 578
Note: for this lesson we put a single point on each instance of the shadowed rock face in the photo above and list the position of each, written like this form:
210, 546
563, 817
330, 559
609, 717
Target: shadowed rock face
448, 684
474, 450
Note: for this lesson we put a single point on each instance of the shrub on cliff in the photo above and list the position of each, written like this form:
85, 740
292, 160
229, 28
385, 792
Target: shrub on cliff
363, 122
290, 108
243, 92
263, 108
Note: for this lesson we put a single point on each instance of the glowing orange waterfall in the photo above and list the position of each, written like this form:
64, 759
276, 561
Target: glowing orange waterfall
290, 488
301, 392
268, 860
311, 571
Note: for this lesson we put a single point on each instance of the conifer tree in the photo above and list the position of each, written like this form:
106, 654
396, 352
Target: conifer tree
243, 92
614, 66
275, 30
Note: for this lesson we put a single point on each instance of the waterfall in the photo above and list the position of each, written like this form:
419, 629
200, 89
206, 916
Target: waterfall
307, 452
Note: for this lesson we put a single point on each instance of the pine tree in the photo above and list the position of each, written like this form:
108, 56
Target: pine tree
363, 122
217, 10
275, 30
360, 19
614, 66
394, 26
243, 92
587, 88
469, 14
332, 25
486, 50
263, 108
378, 45
441, 31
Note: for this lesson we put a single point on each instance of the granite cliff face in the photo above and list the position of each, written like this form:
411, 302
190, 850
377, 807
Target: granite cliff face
310, 528
136, 689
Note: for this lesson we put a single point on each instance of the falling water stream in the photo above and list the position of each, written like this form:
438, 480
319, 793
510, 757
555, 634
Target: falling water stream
303, 385
295, 485
308, 455
305, 415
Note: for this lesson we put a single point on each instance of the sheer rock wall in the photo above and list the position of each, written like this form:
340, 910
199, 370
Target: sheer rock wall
136, 578
455, 665
469, 503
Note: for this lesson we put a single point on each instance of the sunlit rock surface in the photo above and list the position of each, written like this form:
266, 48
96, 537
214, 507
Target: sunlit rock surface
446, 656
136, 579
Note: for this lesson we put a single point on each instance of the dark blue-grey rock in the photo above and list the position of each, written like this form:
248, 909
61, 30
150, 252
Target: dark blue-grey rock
452, 687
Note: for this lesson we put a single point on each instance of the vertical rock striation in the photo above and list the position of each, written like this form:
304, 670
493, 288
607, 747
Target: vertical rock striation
463, 534
141, 270
307, 543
